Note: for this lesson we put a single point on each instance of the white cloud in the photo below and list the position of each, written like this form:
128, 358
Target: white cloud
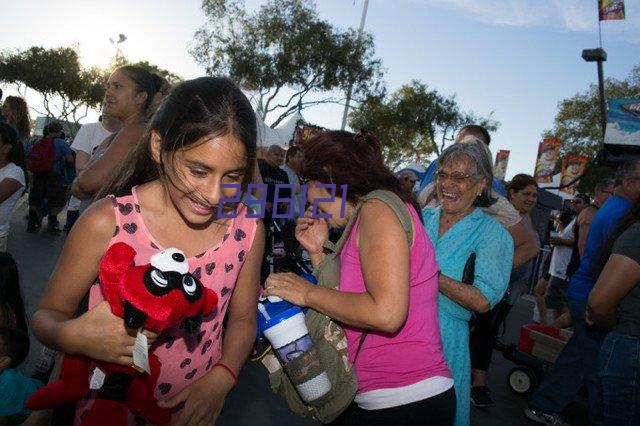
571, 15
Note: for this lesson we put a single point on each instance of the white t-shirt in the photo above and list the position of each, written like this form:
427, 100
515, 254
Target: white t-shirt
10, 171
87, 140
89, 137
562, 254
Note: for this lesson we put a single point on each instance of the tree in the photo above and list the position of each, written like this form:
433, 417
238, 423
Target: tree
577, 125
68, 90
413, 122
285, 45
577, 122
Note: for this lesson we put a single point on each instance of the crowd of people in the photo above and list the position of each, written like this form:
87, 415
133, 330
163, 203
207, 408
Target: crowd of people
421, 308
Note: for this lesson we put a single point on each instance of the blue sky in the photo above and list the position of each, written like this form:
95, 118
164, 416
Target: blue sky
517, 58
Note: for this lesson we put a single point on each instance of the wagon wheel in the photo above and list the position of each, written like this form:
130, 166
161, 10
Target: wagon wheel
522, 380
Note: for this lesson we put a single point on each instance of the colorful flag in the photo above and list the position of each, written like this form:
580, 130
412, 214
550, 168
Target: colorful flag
573, 166
611, 9
500, 168
548, 153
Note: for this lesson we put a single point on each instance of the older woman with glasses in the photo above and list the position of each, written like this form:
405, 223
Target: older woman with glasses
474, 251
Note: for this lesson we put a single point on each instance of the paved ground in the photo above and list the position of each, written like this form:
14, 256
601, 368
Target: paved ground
252, 403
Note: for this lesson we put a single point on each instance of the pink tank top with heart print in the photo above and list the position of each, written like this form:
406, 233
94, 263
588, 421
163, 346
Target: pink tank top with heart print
217, 268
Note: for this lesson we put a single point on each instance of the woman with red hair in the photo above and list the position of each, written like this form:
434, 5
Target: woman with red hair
388, 284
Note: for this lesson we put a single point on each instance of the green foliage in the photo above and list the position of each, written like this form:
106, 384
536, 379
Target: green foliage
577, 122
285, 45
413, 122
68, 90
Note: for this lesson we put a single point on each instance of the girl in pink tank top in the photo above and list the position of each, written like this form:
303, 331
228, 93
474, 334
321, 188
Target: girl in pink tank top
173, 192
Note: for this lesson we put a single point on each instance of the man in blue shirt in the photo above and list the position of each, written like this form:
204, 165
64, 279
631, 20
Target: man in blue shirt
48, 185
576, 364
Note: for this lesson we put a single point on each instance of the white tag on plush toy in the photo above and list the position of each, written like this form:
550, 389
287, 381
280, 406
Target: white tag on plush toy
141, 353
97, 379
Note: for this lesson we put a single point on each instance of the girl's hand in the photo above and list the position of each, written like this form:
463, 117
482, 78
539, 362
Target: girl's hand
289, 287
312, 233
101, 335
203, 399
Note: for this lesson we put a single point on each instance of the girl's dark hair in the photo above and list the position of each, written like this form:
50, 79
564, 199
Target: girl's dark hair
8, 135
10, 298
344, 158
606, 248
520, 182
193, 109
145, 81
19, 115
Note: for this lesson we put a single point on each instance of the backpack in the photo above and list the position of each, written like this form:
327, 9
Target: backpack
41, 156
328, 335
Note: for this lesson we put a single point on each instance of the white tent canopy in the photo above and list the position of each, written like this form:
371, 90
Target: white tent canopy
281, 135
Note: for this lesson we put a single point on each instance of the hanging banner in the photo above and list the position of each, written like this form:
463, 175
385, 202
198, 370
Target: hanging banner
305, 132
623, 122
610, 9
573, 166
548, 153
500, 167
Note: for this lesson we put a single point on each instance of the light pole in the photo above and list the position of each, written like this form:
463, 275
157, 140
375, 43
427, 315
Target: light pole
362, 20
599, 55
121, 39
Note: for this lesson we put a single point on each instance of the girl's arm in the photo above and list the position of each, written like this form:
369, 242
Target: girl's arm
241, 326
384, 257
98, 333
205, 397
97, 173
8, 187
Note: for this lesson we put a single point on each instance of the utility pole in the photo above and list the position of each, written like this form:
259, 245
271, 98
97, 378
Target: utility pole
362, 21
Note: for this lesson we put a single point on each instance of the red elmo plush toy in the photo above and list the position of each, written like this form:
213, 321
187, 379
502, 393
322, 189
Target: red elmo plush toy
155, 297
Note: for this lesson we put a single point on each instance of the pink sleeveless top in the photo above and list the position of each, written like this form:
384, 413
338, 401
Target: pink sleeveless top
217, 268
414, 353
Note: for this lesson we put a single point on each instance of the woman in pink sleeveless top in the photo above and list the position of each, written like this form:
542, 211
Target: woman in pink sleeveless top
388, 286
170, 194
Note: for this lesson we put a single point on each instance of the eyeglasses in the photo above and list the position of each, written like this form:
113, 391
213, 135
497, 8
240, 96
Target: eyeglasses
457, 177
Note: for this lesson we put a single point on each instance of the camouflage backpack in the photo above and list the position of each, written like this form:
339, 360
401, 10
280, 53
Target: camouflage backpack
328, 335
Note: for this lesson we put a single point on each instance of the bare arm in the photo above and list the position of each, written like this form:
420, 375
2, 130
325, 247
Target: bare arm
618, 277
97, 173
584, 224
385, 268
466, 295
241, 327
524, 241
8, 187
98, 333
82, 158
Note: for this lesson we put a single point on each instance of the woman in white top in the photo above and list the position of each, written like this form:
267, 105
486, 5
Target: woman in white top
12, 177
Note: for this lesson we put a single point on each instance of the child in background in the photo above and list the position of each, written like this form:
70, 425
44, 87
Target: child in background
14, 387
11, 304
168, 195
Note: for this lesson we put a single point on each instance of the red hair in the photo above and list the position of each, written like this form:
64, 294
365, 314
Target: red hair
343, 158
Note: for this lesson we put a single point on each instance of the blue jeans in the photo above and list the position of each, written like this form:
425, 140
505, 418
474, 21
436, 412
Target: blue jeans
575, 365
619, 380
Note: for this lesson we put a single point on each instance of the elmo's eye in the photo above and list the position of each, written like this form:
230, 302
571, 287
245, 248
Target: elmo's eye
189, 285
158, 278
